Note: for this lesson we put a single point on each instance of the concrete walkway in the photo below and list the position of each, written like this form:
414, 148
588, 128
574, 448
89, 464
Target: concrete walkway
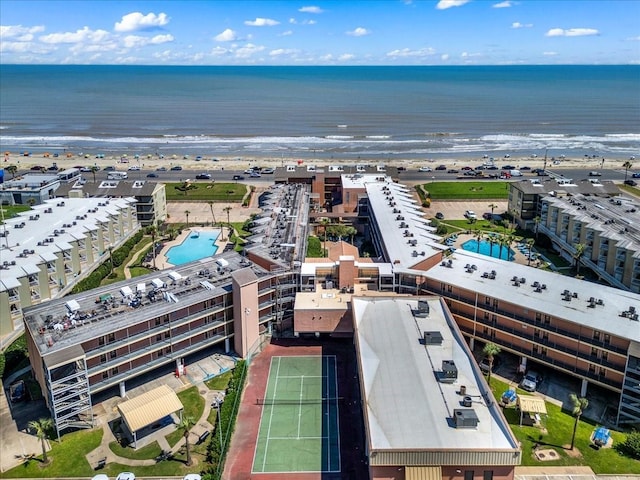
202, 425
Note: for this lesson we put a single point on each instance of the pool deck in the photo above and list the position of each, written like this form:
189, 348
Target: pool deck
518, 256
162, 261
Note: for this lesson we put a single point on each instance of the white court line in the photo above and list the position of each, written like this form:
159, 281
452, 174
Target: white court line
300, 405
300, 376
266, 447
301, 438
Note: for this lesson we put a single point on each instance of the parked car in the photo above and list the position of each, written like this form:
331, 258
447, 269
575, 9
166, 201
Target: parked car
441, 167
269, 171
176, 168
134, 168
630, 182
594, 173
109, 168
17, 391
484, 364
37, 168
126, 476
238, 177
152, 175
530, 381
255, 174
425, 169
53, 168
636, 175
452, 170
508, 167
466, 168
440, 216
487, 215
192, 476
470, 214
203, 176
526, 168
161, 169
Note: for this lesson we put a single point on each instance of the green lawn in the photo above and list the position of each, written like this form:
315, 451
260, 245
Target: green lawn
139, 271
9, 211
149, 451
559, 426
193, 407
219, 382
119, 271
67, 458
467, 190
221, 192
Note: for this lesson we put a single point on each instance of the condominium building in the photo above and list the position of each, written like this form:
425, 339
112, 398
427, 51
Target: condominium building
151, 197
35, 188
428, 411
45, 251
608, 228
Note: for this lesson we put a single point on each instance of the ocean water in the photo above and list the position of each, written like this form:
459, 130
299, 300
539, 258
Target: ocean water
323, 112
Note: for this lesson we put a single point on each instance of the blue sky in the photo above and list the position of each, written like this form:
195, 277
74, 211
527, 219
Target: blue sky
380, 32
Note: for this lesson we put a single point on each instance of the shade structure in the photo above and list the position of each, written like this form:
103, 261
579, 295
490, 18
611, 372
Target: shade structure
535, 406
601, 436
148, 408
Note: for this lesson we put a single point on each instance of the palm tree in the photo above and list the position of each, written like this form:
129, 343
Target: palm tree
626, 165
324, 222
227, 209
213, 215
490, 350
187, 212
41, 429
12, 169
94, 169
580, 404
536, 221
502, 242
492, 206
530, 242
186, 424
478, 235
351, 232
492, 241
578, 254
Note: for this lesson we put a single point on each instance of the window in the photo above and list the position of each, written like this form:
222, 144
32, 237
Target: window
607, 338
158, 337
157, 322
105, 375
100, 341
535, 349
468, 475
449, 288
487, 300
103, 358
603, 372
112, 337
596, 335
114, 371
495, 303
167, 334
538, 317
487, 475
543, 351
594, 352
547, 319
605, 356
592, 369
112, 354
486, 315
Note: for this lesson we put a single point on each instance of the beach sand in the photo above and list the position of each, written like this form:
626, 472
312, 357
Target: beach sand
151, 162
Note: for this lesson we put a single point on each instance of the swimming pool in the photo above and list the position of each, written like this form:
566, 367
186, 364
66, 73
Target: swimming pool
195, 246
486, 248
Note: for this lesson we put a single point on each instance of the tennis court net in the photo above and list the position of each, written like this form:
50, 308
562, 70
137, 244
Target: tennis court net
297, 401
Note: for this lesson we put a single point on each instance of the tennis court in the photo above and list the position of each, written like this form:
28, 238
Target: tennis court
299, 430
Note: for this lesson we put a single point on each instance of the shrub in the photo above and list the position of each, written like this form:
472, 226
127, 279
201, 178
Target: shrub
630, 447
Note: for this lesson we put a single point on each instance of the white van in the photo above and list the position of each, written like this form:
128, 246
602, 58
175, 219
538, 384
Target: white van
117, 175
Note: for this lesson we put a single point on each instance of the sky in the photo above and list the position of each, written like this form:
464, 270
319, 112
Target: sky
265, 32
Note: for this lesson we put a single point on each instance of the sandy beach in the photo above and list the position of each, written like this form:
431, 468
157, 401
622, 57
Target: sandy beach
207, 163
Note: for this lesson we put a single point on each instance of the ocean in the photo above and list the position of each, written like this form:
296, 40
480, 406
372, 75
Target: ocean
322, 112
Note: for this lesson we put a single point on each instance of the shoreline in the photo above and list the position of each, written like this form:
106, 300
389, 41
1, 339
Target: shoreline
122, 161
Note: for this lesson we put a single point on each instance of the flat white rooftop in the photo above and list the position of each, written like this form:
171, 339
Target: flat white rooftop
407, 407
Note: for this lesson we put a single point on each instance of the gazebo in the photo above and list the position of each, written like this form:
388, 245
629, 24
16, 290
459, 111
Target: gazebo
534, 406
148, 408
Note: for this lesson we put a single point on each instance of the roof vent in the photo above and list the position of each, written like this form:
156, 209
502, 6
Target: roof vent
465, 418
449, 372
432, 338
423, 309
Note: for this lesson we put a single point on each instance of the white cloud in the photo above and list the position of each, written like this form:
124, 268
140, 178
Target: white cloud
248, 50
505, 4
132, 41
227, 36
470, 55
444, 56
79, 36
25, 47
345, 57
278, 52
406, 52
286, 33
521, 25
261, 22
359, 32
137, 21
549, 54
19, 33
310, 9
634, 39
572, 32
444, 4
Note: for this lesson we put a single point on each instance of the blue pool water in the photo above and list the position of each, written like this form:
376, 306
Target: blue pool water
488, 250
194, 247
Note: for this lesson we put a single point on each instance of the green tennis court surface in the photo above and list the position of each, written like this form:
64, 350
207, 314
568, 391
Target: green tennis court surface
299, 429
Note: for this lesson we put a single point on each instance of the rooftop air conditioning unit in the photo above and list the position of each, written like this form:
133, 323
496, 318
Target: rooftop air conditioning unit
449, 372
465, 418
432, 338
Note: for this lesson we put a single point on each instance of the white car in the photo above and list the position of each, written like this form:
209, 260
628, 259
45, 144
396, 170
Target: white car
100, 476
126, 476
192, 476
530, 381
425, 169
470, 214
134, 168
